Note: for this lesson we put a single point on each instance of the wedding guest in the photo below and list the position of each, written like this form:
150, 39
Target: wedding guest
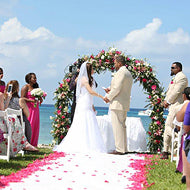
119, 97
15, 102
173, 98
18, 138
2, 83
33, 106
184, 116
180, 167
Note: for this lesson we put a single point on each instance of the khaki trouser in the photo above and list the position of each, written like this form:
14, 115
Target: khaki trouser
118, 119
169, 126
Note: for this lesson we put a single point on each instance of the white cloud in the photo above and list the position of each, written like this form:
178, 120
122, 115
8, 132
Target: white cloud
148, 40
178, 37
23, 50
13, 31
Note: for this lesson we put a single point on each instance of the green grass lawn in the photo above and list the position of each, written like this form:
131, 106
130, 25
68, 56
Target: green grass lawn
163, 175
19, 162
161, 172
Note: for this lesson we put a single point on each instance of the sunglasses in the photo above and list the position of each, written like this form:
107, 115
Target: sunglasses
1, 73
173, 68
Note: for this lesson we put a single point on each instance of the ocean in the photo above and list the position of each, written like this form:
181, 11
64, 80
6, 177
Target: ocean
47, 110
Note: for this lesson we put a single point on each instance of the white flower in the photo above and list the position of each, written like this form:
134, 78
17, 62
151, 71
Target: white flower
112, 50
66, 109
53, 142
129, 67
102, 57
37, 92
51, 117
146, 64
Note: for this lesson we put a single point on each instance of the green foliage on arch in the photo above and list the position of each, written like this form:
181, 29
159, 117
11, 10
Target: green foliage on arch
141, 71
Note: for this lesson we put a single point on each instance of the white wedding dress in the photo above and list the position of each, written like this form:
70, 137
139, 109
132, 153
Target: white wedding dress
84, 135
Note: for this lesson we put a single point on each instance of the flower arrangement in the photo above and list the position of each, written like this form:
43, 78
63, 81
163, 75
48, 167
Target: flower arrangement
39, 94
61, 121
141, 71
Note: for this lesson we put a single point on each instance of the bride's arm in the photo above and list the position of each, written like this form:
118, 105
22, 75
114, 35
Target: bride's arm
92, 92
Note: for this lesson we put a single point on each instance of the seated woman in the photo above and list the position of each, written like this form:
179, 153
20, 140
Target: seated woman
19, 140
15, 102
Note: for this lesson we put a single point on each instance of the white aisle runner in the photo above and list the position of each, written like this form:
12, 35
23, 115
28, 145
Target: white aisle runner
80, 172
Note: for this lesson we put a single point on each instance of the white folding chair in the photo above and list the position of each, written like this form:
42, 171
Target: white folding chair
7, 135
176, 139
18, 113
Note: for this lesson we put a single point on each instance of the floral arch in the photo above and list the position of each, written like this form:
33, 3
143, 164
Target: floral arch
140, 70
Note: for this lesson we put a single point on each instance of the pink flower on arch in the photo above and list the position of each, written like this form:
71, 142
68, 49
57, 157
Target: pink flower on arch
61, 137
137, 61
68, 80
144, 80
153, 87
158, 122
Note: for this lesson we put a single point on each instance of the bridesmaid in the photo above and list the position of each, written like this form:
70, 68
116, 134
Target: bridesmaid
34, 117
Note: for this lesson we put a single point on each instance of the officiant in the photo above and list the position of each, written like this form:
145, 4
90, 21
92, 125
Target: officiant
72, 85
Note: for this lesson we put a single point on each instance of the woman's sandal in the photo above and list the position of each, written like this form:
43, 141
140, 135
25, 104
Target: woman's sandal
30, 148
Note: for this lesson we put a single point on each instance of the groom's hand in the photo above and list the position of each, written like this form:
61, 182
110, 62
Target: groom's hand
107, 90
106, 99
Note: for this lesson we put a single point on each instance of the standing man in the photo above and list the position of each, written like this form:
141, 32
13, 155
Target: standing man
173, 99
119, 97
72, 86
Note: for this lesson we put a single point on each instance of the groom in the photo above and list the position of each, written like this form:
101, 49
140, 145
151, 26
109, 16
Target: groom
119, 97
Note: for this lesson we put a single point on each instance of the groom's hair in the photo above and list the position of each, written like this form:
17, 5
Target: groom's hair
120, 59
178, 64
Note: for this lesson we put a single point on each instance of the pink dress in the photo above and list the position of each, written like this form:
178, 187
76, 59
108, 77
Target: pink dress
2, 88
34, 119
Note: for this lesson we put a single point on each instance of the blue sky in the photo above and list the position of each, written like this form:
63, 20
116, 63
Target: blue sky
46, 36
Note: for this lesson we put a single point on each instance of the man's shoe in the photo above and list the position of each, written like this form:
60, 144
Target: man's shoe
183, 179
164, 156
116, 153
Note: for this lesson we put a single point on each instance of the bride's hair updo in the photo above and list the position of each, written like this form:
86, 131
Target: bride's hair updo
89, 73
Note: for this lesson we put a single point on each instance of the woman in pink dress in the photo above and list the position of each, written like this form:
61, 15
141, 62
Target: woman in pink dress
2, 83
33, 106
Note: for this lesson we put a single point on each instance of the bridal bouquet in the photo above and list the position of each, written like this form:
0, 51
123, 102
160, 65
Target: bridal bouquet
39, 94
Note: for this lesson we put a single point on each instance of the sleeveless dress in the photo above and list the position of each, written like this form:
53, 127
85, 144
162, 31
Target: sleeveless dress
84, 135
34, 119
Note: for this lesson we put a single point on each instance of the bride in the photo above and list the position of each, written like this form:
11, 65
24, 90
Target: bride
84, 134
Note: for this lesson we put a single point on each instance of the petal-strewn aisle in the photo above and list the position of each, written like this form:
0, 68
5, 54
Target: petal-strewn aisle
79, 171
